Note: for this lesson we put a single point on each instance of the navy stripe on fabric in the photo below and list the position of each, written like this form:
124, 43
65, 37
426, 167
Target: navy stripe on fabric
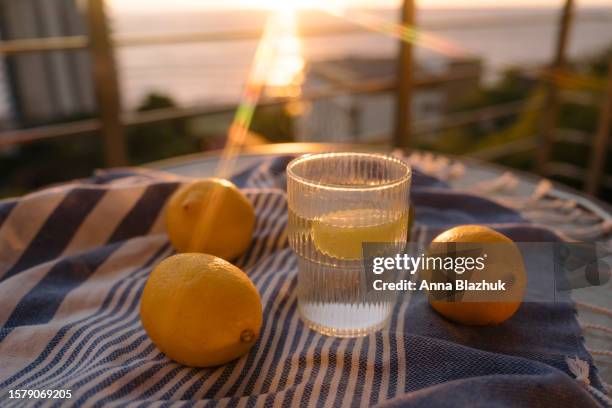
39, 305
292, 349
346, 371
111, 332
125, 368
363, 361
161, 383
272, 229
316, 362
178, 384
378, 368
267, 328
58, 230
92, 320
393, 363
241, 262
241, 179
143, 214
117, 336
105, 330
131, 386
303, 357
137, 222
115, 340
284, 332
263, 208
227, 371
330, 371
5, 210
100, 369
288, 264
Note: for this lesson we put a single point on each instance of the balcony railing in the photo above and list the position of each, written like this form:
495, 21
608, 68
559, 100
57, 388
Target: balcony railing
111, 121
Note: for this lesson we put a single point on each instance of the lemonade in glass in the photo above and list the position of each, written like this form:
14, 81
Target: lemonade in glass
338, 202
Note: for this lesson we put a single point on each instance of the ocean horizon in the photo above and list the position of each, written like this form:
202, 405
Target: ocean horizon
205, 73
211, 73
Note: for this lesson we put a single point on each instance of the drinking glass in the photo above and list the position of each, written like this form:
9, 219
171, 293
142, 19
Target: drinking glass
337, 202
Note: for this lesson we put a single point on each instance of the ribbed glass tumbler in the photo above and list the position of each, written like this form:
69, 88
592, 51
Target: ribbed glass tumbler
337, 202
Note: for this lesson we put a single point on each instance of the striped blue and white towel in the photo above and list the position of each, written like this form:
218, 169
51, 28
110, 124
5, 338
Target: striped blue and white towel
74, 260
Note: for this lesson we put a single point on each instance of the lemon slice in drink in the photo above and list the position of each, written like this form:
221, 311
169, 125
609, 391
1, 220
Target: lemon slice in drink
341, 234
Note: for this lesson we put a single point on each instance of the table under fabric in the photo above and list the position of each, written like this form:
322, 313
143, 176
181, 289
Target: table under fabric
74, 259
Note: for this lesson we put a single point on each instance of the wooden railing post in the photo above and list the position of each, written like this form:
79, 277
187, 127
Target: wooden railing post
552, 104
106, 84
405, 77
599, 150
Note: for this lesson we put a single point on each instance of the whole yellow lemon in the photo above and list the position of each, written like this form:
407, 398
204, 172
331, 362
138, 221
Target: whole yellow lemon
200, 310
504, 263
210, 216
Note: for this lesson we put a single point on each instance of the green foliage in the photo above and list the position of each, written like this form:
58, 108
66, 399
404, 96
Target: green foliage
36, 165
578, 117
155, 141
512, 87
42, 163
274, 123
600, 63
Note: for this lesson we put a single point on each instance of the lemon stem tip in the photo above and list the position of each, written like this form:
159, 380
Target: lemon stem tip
247, 336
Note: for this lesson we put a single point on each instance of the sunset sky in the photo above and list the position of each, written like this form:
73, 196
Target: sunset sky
141, 5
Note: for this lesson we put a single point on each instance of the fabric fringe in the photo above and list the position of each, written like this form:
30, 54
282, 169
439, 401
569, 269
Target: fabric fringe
580, 369
573, 220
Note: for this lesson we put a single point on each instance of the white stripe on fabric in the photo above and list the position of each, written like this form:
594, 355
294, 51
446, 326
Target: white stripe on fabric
121, 335
278, 231
291, 360
386, 370
129, 333
256, 201
399, 339
264, 335
232, 381
60, 375
164, 367
337, 372
267, 246
277, 340
23, 223
352, 378
15, 338
90, 294
122, 261
304, 353
286, 348
16, 287
267, 214
281, 342
295, 359
103, 220
315, 383
87, 394
369, 373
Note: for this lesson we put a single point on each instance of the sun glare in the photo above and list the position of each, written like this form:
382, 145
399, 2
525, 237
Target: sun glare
286, 72
295, 5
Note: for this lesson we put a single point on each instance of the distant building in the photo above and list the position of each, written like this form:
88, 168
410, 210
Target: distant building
368, 117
